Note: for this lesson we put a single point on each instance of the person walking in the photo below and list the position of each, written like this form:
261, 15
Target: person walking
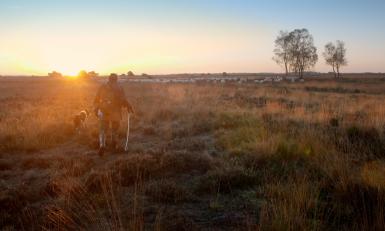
109, 101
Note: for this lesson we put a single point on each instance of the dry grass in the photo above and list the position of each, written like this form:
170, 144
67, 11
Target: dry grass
271, 157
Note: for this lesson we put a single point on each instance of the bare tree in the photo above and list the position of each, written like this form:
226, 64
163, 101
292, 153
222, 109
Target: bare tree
295, 50
303, 53
335, 56
282, 50
340, 56
329, 55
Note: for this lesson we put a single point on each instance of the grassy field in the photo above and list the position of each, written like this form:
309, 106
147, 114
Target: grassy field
283, 156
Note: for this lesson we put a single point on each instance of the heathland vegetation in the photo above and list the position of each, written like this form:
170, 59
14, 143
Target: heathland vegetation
287, 156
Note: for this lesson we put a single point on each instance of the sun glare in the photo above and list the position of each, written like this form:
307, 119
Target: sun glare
69, 72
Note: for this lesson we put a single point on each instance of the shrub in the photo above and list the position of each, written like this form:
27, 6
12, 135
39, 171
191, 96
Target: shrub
94, 181
334, 122
291, 206
185, 162
373, 174
226, 180
149, 131
231, 121
34, 162
238, 135
11, 203
202, 124
365, 141
6, 165
63, 186
134, 169
164, 115
168, 191
175, 220
287, 149
193, 145
358, 206
77, 167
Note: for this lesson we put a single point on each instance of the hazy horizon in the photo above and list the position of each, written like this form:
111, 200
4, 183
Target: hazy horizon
194, 73
163, 37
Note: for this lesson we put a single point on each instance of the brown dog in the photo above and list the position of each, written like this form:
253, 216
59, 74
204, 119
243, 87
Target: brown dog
80, 121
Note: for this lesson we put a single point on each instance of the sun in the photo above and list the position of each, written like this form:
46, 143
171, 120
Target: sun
70, 73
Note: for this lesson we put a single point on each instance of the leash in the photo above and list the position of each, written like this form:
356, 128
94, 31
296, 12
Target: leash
128, 131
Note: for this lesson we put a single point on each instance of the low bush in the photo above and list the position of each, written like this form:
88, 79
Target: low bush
34, 162
134, 169
366, 142
291, 205
174, 163
236, 120
356, 205
6, 165
168, 191
226, 180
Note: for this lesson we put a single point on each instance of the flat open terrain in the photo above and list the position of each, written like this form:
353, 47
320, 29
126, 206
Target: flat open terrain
277, 156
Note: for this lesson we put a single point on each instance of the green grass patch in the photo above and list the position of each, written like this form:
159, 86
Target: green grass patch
238, 133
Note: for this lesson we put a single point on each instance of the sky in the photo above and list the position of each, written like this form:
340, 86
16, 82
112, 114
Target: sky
180, 36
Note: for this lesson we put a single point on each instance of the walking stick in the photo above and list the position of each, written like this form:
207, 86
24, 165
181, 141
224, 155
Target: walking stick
128, 131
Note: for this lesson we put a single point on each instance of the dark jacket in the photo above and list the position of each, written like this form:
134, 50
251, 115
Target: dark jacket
110, 99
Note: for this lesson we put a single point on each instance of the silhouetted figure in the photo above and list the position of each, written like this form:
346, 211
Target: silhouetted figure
108, 104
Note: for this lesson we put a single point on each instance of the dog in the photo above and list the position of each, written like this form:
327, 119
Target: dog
80, 121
